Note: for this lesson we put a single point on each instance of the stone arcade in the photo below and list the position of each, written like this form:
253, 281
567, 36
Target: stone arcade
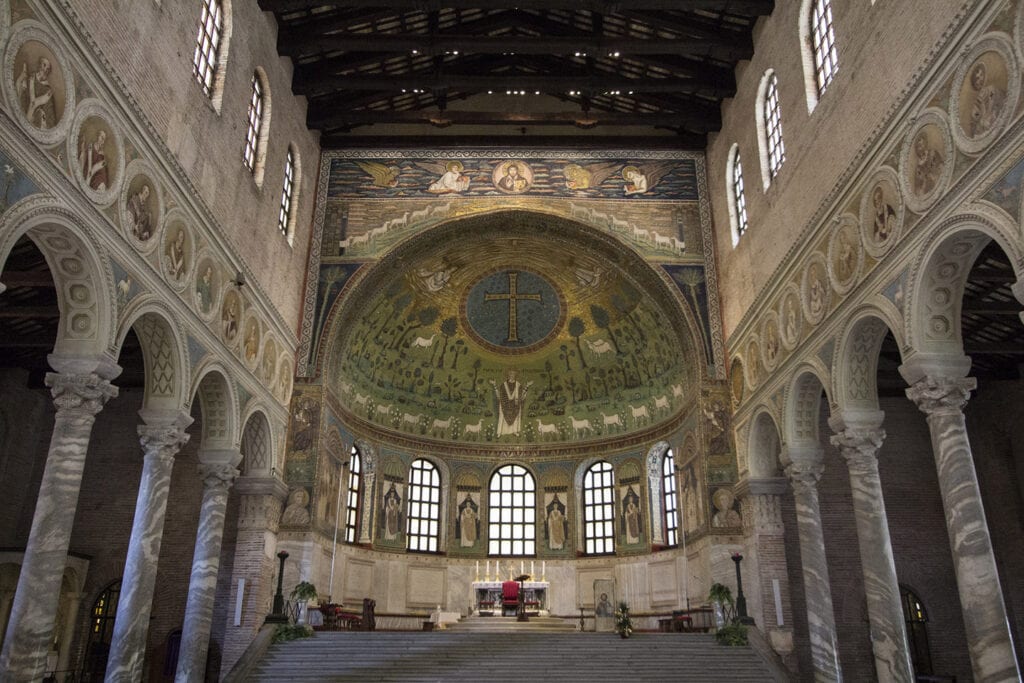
515, 324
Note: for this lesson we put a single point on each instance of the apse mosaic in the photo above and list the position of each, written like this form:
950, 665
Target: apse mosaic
515, 332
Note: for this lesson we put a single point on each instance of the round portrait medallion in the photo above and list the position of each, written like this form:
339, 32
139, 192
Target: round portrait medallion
513, 311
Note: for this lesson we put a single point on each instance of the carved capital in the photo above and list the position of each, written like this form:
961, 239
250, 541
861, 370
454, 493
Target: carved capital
936, 395
859, 447
804, 476
162, 441
219, 477
82, 395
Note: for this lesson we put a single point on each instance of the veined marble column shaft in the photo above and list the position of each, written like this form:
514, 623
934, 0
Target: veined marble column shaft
988, 636
821, 621
78, 398
859, 447
202, 585
160, 444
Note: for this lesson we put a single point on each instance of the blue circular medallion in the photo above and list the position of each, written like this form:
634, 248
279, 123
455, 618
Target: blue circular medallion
512, 310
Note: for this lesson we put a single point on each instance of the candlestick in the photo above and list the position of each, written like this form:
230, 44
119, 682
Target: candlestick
522, 567
497, 570
531, 569
543, 570
478, 570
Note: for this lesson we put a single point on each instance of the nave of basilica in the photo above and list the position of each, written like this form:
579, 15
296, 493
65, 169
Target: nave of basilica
296, 276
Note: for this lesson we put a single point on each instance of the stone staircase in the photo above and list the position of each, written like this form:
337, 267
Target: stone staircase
510, 625
478, 654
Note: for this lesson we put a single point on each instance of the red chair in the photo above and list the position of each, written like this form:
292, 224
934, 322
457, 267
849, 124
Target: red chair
509, 596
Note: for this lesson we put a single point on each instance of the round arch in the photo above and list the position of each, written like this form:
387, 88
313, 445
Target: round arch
855, 370
219, 406
257, 444
80, 269
765, 447
940, 275
803, 405
163, 353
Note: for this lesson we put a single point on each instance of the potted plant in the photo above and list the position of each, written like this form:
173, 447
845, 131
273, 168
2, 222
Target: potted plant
720, 598
623, 624
303, 592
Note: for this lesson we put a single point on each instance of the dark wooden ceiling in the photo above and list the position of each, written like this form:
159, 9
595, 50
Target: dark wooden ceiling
587, 69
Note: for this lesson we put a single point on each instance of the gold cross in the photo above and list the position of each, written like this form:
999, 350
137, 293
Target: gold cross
512, 297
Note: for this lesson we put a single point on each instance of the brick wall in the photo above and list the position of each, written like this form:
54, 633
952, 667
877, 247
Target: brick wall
155, 65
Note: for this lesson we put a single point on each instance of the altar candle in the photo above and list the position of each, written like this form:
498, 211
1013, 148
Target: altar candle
543, 569
522, 567
531, 568
488, 576
497, 570
478, 570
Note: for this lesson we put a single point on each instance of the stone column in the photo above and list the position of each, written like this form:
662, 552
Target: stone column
202, 585
804, 474
161, 437
760, 500
6, 599
78, 398
859, 444
261, 501
988, 636
72, 602
369, 500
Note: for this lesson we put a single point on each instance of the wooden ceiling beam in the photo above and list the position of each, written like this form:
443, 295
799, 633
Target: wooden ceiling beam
679, 141
739, 7
27, 278
343, 117
309, 84
299, 44
30, 312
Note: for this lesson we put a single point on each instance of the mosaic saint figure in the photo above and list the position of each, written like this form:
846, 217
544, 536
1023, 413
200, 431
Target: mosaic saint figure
138, 211
469, 522
511, 395
296, 513
392, 514
556, 524
636, 182
927, 165
884, 215
452, 179
631, 516
36, 94
92, 159
513, 180
988, 104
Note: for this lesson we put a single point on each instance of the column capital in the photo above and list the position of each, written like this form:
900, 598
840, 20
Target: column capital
217, 476
82, 393
163, 433
804, 476
859, 447
938, 395
262, 486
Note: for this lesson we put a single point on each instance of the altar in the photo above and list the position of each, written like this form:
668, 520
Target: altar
488, 596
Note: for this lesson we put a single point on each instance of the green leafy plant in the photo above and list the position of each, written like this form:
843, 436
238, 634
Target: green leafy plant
304, 591
721, 594
623, 624
733, 634
286, 632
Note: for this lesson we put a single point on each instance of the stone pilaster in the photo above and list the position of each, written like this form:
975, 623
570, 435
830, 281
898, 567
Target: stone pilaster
202, 585
161, 437
859, 446
261, 501
78, 398
821, 622
368, 499
762, 519
989, 642
72, 603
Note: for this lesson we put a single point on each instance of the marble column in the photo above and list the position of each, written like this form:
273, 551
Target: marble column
859, 444
78, 398
72, 602
161, 437
6, 600
202, 585
260, 503
988, 636
821, 622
